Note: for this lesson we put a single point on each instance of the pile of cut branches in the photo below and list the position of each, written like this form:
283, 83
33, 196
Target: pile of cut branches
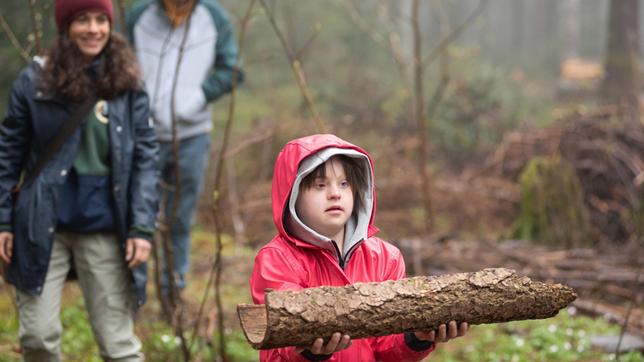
608, 159
607, 156
517, 149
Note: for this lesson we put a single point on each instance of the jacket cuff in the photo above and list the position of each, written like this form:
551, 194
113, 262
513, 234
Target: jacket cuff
6, 227
141, 232
315, 357
416, 344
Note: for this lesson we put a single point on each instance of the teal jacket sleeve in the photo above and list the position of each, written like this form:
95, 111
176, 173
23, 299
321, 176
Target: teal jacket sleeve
132, 16
225, 72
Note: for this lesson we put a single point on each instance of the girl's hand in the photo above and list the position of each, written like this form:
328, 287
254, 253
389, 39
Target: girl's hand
444, 332
337, 343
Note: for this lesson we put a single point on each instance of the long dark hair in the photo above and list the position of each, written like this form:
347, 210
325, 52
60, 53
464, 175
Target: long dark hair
66, 76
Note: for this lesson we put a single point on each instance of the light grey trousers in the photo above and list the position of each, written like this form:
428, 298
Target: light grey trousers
106, 284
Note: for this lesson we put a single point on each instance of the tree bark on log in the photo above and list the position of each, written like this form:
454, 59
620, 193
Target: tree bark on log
297, 318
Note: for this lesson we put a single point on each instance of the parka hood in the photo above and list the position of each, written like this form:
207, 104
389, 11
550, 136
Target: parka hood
297, 159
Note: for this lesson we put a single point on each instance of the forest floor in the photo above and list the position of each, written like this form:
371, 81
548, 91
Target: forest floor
568, 337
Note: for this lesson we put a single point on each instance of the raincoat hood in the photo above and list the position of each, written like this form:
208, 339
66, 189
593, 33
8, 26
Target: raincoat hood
297, 159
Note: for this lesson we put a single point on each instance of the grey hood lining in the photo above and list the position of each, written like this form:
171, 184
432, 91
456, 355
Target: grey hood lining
356, 228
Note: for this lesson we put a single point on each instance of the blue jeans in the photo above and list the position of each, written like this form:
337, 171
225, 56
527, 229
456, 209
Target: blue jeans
193, 162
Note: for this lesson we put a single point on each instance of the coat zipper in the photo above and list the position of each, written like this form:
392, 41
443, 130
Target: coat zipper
339, 254
343, 261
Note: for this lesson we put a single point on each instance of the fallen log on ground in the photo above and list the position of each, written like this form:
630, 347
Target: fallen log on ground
614, 314
297, 318
613, 279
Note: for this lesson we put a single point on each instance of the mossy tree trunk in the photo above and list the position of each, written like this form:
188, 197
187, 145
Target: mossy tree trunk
553, 211
621, 82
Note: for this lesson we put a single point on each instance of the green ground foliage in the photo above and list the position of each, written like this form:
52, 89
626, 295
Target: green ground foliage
562, 338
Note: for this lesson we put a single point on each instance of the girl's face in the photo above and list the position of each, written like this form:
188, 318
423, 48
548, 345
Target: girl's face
90, 31
327, 205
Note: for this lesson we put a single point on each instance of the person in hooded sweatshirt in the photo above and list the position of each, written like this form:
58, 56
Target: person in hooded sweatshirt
188, 55
324, 205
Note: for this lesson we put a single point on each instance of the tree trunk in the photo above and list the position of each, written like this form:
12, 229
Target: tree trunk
422, 128
570, 28
621, 83
297, 318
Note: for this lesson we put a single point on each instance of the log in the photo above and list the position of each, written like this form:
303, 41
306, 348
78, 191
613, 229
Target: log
297, 318
614, 314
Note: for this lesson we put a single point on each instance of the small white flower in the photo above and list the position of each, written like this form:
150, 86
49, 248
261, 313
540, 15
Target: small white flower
581, 333
520, 342
572, 310
567, 346
554, 348
165, 338
552, 328
580, 348
611, 357
569, 331
177, 340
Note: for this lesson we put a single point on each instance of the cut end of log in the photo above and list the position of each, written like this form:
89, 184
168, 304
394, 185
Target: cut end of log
253, 322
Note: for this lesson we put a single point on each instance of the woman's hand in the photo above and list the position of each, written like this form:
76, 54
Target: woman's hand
444, 332
337, 343
137, 251
6, 246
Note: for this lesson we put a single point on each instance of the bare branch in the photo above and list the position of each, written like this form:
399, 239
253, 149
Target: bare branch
271, 18
359, 20
34, 24
297, 70
13, 40
418, 98
216, 270
300, 52
239, 226
389, 41
397, 54
455, 33
174, 292
217, 191
261, 135
439, 92
267, 56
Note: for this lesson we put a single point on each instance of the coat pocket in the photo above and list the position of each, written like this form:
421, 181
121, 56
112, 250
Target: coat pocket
85, 204
33, 214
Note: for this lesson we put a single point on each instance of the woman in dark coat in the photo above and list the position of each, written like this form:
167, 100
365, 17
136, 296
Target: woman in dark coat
92, 207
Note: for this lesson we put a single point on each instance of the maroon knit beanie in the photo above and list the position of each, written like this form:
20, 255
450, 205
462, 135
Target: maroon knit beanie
66, 10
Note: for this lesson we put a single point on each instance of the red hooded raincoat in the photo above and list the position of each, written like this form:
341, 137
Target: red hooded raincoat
289, 263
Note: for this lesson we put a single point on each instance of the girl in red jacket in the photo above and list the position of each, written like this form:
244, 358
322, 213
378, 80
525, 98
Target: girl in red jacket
324, 205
